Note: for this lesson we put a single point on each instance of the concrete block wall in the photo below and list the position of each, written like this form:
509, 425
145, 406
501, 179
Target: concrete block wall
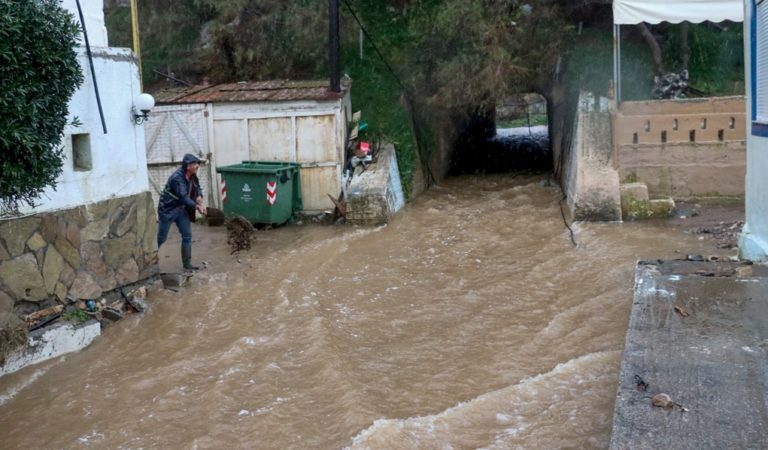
700, 120
683, 148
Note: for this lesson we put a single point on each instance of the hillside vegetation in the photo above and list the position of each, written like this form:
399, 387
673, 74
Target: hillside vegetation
419, 55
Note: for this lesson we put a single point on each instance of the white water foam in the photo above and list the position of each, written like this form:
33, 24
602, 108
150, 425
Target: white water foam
482, 409
26, 381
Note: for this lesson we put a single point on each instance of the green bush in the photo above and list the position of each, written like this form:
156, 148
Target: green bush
39, 73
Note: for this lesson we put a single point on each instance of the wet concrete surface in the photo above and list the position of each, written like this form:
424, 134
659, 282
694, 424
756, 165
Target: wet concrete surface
698, 332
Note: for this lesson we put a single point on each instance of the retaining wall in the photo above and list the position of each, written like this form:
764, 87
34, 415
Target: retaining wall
76, 253
591, 181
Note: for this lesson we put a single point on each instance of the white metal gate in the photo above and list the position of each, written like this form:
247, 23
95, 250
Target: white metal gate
172, 132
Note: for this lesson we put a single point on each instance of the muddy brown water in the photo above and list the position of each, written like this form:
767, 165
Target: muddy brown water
471, 321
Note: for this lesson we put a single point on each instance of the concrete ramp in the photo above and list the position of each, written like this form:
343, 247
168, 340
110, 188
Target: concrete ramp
698, 332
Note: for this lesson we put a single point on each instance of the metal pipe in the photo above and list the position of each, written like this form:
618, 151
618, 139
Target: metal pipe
90, 62
617, 62
333, 45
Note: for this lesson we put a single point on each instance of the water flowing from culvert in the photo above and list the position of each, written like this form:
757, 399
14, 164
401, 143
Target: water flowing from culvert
510, 149
470, 321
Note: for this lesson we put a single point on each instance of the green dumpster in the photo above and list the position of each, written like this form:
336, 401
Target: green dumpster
261, 191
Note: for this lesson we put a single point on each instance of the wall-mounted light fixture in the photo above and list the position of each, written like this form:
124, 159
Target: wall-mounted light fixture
140, 110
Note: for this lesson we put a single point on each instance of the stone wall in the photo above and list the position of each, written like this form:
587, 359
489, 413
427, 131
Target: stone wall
76, 253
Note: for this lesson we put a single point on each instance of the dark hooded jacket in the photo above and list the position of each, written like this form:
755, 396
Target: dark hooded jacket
180, 193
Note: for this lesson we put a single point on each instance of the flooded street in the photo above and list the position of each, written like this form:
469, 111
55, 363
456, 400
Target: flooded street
471, 321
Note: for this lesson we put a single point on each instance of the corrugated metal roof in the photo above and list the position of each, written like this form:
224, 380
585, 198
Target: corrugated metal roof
250, 91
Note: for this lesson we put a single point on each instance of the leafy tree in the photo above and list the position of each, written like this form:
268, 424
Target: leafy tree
39, 73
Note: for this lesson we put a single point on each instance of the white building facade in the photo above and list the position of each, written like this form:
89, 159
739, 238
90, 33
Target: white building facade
754, 239
97, 230
97, 165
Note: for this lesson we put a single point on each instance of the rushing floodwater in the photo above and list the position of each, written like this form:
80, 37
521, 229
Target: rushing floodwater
470, 321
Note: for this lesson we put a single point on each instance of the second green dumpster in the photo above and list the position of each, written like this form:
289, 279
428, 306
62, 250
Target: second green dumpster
265, 192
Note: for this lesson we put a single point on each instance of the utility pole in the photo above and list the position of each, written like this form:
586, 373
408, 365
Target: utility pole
136, 44
333, 45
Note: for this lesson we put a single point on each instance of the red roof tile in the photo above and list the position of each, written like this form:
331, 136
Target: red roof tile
250, 91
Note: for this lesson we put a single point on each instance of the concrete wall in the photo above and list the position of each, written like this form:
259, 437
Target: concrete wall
591, 182
376, 194
683, 148
754, 238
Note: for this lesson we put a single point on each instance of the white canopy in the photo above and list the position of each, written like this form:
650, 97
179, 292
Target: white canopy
630, 12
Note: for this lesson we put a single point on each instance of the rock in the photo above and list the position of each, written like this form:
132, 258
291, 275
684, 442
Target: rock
60, 291
95, 231
138, 302
174, 280
52, 267
662, 207
93, 261
97, 211
24, 308
73, 235
76, 216
6, 302
67, 275
22, 276
142, 212
48, 225
16, 232
127, 273
3, 252
36, 242
662, 401
9, 321
84, 286
117, 251
123, 219
111, 314
70, 254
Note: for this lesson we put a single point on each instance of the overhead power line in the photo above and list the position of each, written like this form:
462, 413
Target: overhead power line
375, 47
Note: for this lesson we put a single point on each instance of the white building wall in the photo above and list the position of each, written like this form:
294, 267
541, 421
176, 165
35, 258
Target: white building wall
119, 166
93, 13
754, 239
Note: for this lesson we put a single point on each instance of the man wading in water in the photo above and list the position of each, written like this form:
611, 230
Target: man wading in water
179, 200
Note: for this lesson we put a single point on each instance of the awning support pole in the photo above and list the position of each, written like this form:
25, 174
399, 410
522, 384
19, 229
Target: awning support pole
617, 62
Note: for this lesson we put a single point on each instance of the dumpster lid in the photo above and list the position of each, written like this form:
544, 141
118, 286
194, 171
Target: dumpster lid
259, 167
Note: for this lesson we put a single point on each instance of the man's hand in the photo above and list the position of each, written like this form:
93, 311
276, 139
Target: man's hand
203, 210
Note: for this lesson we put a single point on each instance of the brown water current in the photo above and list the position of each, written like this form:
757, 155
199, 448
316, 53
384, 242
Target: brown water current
471, 321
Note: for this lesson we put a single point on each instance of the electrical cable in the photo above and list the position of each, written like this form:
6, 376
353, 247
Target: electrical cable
406, 92
562, 213
375, 47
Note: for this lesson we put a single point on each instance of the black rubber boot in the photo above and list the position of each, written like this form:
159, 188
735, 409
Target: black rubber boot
186, 257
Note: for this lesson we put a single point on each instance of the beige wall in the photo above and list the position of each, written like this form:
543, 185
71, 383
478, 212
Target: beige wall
683, 148
309, 133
